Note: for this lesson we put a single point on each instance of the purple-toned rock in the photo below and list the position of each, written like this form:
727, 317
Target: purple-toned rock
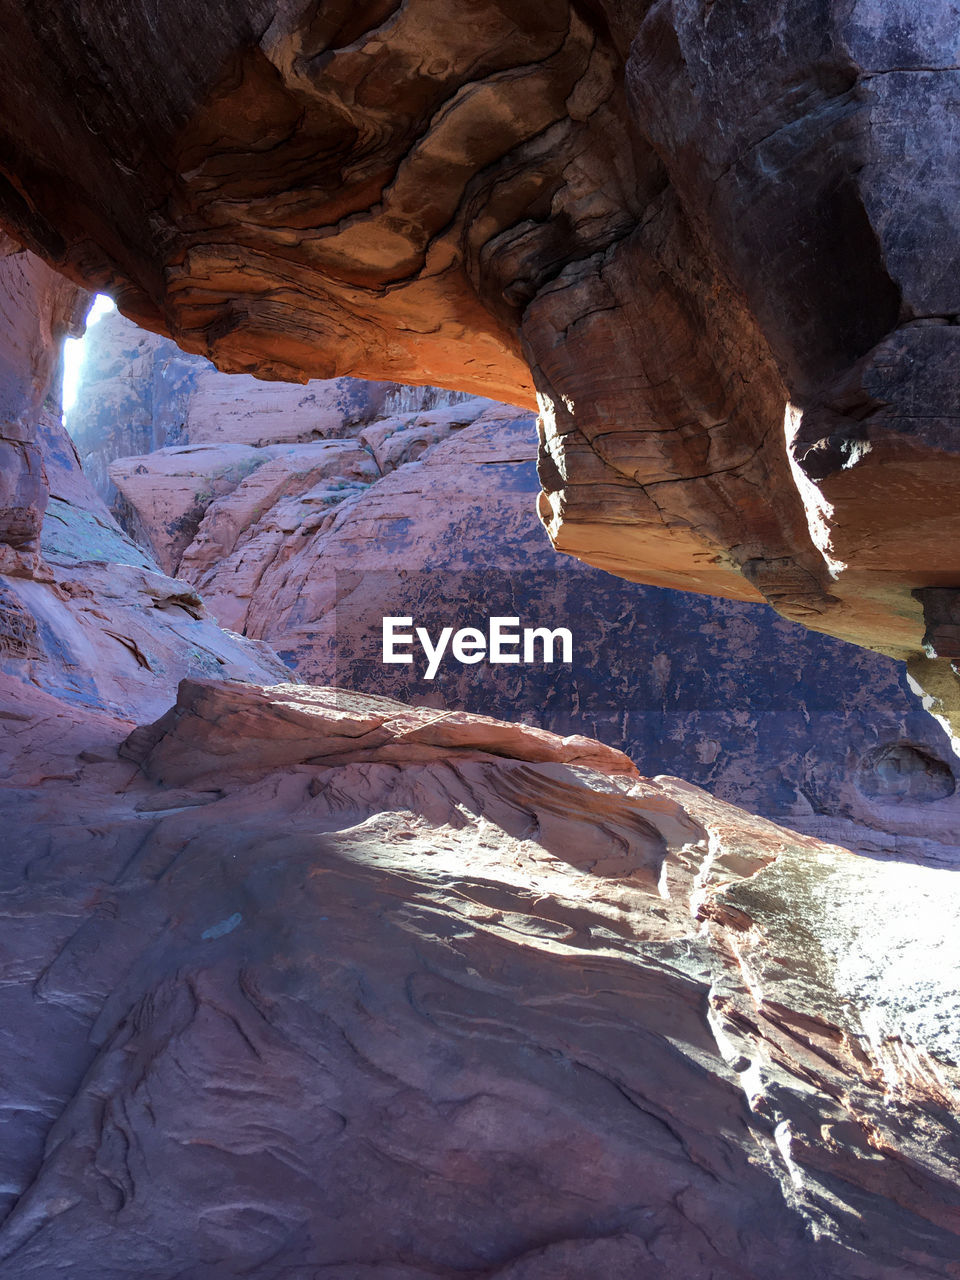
37, 308
310, 982
314, 548
716, 243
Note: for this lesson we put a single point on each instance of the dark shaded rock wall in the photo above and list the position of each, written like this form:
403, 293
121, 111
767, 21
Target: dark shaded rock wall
37, 309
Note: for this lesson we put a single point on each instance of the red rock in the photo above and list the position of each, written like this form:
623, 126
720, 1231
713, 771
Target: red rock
231, 729
171, 489
594, 205
309, 555
590, 1020
94, 622
437, 1012
37, 308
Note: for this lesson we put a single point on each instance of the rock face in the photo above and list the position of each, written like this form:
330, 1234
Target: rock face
430, 515
300, 983
140, 394
329, 986
196, 504
37, 309
720, 242
132, 397
104, 626
92, 620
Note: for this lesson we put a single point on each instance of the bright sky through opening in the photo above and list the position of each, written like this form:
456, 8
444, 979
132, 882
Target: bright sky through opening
73, 352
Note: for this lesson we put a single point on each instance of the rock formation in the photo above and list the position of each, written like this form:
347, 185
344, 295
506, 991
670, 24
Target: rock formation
37, 309
720, 243
296, 982
312, 983
430, 514
85, 614
140, 393
104, 626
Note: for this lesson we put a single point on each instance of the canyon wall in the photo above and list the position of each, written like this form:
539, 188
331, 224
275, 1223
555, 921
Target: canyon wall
299, 983
86, 615
303, 516
38, 308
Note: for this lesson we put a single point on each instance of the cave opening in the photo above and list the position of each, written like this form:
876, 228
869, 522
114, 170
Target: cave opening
305, 981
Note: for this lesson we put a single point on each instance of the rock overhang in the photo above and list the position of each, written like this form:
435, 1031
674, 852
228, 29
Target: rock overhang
681, 228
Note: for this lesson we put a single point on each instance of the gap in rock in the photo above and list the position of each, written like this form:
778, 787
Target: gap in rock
73, 353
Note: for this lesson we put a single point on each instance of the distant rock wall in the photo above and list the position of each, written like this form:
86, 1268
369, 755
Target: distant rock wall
717, 243
139, 393
308, 543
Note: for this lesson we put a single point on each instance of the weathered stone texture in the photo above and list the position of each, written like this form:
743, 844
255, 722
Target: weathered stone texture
430, 514
329, 986
85, 614
37, 309
704, 233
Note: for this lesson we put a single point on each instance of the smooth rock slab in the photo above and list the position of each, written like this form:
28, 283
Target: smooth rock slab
446, 1015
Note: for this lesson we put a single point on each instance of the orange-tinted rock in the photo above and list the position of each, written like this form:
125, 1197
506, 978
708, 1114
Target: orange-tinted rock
99, 625
314, 547
170, 489
704, 236
235, 729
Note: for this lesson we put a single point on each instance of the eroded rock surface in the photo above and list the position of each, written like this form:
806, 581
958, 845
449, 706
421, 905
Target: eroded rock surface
198, 505
139, 394
104, 626
719, 241
85, 613
37, 309
434, 996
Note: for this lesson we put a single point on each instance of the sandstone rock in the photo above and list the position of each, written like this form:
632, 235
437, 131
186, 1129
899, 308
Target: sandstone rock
95, 623
132, 397
171, 489
236, 729
314, 475
139, 394
67, 482
37, 308
102, 626
312, 1018
800, 728
254, 412
719, 244
178, 494
684, 267
436, 1011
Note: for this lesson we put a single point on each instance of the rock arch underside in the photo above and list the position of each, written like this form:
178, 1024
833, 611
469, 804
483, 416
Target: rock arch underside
344, 988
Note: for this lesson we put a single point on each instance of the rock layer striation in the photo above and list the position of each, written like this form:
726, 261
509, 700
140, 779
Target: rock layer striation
718, 242
406, 511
